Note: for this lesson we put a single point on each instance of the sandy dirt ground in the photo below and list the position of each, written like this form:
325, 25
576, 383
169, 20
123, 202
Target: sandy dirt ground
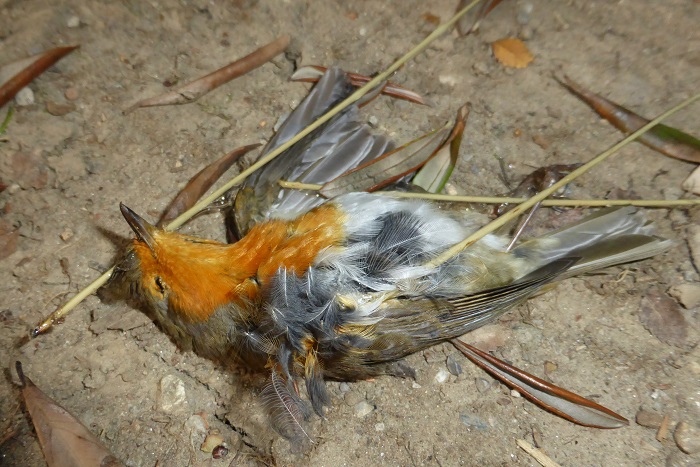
114, 369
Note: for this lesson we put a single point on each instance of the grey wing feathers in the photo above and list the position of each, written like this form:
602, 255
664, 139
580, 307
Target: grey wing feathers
474, 310
455, 316
338, 146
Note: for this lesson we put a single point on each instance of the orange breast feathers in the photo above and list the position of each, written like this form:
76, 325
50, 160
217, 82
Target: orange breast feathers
199, 276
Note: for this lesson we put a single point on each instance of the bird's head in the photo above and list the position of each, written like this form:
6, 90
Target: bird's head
176, 275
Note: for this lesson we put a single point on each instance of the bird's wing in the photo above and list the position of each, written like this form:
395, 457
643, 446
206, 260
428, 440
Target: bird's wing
336, 147
409, 325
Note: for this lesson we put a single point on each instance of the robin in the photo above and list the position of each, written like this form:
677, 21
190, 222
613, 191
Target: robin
344, 289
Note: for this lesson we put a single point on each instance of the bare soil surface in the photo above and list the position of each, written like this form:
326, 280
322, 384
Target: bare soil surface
67, 173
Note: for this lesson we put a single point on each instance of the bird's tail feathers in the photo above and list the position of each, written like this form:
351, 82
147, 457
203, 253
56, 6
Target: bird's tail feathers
608, 237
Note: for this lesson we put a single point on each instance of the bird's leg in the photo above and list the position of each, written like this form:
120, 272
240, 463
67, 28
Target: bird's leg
564, 403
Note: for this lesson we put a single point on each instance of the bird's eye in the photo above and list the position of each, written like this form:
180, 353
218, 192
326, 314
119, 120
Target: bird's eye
159, 284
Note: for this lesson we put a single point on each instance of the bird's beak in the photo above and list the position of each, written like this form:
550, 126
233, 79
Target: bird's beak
143, 230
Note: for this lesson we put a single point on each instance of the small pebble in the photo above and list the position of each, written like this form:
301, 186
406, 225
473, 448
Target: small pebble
541, 141
442, 376
344, 387
59, 110
352, 398
73, 22
373, 121
171, 395
450, 189
219, 452
526, 33
71, 94
482, 385
379, 426
550, 367
687, 438
687, 295
453, 366
449, 80
415, 385
362, 409
514, 393
524, 13
66, 235
481, 68
197, 427
24, 97
554, 112
692, 183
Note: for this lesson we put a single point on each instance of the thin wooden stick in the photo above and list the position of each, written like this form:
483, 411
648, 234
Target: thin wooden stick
187, 215
543, 459
647, 203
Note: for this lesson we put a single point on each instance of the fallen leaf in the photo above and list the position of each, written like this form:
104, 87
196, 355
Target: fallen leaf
558, 400
512, 52
437, 171
193, 90
9, 239
661, 316
28, 170
63, 439
669, 141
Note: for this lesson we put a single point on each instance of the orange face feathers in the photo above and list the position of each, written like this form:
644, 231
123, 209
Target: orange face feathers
191, 274
198, 276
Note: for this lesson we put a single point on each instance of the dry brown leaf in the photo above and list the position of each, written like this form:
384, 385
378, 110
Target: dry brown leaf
661, 316
63, 439
665, 139
512, 52
193, 90
9, 239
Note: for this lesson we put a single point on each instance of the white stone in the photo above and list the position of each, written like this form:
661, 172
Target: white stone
73, 22
24, 97
692, 183
172, 396
442, 376
363, 408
